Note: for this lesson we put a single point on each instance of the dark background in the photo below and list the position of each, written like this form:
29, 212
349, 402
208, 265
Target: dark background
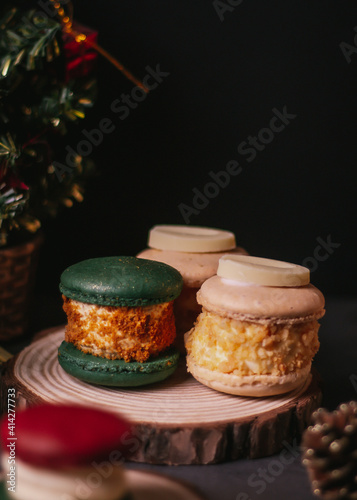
225, 79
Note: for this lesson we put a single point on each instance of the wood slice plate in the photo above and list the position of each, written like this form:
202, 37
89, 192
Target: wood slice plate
179, 420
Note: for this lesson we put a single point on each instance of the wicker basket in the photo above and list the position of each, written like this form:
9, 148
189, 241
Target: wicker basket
17, 276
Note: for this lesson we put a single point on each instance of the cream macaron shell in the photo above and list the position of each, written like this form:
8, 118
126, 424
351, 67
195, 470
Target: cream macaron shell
194, 239
260, 271
249, 385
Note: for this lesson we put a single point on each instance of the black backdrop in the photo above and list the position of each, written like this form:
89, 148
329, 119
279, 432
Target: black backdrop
228, 75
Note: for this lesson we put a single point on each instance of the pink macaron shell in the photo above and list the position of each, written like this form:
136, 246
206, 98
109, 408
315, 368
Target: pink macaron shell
195, 268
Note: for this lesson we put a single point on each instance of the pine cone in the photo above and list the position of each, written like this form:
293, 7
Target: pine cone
330, 452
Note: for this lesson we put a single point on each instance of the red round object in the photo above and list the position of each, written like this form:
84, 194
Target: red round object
54, 436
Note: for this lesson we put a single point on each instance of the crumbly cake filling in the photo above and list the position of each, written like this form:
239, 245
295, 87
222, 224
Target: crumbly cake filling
129, 333
246, 348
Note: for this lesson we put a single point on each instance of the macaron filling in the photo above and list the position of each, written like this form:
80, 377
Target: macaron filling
129, 333
246, 348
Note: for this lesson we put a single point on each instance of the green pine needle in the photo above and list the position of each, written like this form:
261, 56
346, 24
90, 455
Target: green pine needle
26, 40
8, 149
11, 204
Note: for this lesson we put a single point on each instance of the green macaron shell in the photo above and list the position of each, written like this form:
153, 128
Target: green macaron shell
121, 281
116, 372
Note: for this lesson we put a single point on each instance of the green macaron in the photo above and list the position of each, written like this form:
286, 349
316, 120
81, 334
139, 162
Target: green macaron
116, 372
121, 281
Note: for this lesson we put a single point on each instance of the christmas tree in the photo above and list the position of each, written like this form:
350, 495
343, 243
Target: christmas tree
46, 88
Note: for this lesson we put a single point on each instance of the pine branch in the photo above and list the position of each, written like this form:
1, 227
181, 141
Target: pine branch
38, 104
11, 203
8, 150
66, 103
27, 41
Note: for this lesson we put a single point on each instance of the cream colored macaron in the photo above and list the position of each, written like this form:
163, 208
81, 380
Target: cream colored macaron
258, 330
195, 252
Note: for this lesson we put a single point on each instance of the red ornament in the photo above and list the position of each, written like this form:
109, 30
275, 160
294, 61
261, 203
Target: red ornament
57, 436
80, 55
11, 181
